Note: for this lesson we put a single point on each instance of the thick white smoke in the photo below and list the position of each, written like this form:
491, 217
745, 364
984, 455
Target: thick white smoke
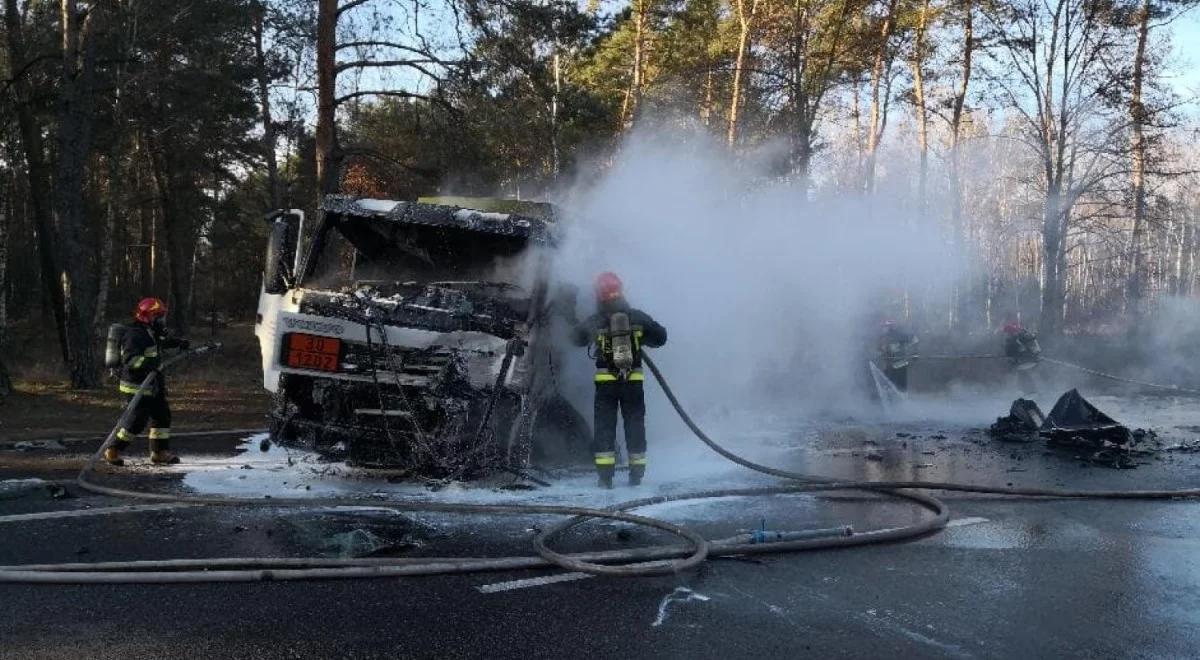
769, 297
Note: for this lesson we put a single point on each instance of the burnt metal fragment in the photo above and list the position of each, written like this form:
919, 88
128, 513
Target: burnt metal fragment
1074, 423
1022, 424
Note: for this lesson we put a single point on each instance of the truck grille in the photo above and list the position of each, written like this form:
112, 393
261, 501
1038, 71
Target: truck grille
358, 358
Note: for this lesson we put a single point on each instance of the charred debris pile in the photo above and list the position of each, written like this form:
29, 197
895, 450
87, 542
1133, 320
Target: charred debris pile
1077, 424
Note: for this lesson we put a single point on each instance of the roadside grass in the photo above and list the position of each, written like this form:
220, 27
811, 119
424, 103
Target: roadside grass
222, 389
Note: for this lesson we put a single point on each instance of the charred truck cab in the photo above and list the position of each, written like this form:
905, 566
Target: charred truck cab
415, 335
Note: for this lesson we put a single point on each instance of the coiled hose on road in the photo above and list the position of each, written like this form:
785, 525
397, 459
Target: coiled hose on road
652, 560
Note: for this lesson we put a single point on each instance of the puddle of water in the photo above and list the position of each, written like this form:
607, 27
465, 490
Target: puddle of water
282, 472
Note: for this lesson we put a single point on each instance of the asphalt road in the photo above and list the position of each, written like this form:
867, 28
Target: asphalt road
1009, 579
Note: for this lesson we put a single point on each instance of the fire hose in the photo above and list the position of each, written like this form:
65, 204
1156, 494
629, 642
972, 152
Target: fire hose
1122, 379
1077, 367
649, 560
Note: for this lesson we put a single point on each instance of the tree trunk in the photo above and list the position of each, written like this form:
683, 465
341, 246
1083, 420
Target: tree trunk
106, 247
800, 133
1137, 115
706, 106
113, 193
258, 29
177, 234
5, 206
856, 119
77, 275
1176, 256
880, 89
918, 72
633, 93
327, 158
746, 26
1189, 251
802, 151
957, 226
191, 283
145, 261
38, 174
555, 164
809, 81
1053, 257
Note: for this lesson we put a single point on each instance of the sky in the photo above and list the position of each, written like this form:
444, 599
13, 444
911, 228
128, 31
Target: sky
1186, 41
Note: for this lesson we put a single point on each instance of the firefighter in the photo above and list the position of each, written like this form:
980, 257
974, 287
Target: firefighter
619, 333
897, 350
1024, 353
141, 353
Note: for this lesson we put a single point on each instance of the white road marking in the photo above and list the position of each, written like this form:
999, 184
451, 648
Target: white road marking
673, 597
82, 513
963, 522
530, 582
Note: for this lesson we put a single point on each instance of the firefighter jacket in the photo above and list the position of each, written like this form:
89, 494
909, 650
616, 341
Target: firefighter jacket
1022, 348
897, 348
595, 329
141, 353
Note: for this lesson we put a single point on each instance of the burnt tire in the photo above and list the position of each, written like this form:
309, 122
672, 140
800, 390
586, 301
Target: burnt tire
561, 435
279, 428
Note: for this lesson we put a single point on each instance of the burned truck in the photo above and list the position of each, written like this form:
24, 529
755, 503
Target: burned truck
416, 335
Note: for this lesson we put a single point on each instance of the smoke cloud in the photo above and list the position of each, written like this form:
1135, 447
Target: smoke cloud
770, 297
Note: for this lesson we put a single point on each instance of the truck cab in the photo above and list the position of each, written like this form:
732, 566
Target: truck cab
416, 335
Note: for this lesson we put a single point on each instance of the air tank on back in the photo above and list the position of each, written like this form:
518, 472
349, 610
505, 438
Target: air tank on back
112, 346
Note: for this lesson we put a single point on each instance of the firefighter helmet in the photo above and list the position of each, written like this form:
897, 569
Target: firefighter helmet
1012, 328
150, 309
608, 287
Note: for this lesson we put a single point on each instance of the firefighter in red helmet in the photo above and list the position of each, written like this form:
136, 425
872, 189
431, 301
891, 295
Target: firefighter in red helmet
897, 350
141, 353
1024, 353
619, 332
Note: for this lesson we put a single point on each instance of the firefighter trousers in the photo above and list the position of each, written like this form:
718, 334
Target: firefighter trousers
898, 376
157, 412
627, 398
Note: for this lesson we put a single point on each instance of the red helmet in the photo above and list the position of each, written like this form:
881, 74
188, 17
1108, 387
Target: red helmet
1012, 328
149, 309
608, 287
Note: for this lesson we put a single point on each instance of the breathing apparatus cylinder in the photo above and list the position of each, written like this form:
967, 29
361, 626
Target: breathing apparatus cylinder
621, 339
112, 346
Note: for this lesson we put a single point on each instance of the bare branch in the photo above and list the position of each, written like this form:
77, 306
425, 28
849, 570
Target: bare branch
382, 44
350, 5
380, 92
26, 69
378, 64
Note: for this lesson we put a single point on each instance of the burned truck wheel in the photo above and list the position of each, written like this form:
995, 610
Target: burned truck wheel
296, 420
561, 435
279, 428
449, 438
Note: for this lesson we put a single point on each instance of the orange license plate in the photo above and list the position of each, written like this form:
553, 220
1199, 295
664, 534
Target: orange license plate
313, 352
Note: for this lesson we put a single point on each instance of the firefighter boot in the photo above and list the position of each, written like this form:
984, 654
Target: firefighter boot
637, 469
160, 441
606, 465
605, 477
112, 454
